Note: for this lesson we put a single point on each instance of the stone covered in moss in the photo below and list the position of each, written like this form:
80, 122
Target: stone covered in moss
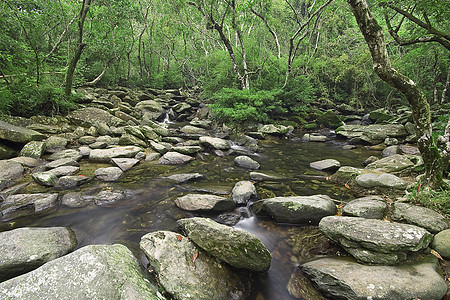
238, 248
296, 209
187, 272
329, 119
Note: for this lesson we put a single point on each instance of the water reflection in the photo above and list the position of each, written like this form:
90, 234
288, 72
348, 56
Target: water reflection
152, 206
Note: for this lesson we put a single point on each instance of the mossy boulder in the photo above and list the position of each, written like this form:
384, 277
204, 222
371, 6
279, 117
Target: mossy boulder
238, 248
329, 119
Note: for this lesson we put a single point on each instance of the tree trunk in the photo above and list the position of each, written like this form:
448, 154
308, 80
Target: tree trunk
373, 34
80, 46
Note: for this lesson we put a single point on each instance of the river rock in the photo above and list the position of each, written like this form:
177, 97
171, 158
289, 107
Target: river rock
243, 191
130, 140
329, 119
33, 149
108, 174
91, 116
108, 197
187, 272
187, 149
151, 107
202, 202
370, 207
274, 129
441, 243
55, 143
75, 199
18, 134
68, 153
180, 178
296, 209
92, 272
393, 163
105, 155
189, 129
420, 216
238, 248
27, 161
6, 152
87, 140
149, 133
391, 150
19, 205
63, 162
9, 171
64, 171
25, 249
45, 178
314, 138
384, 180
160, 128
174, 158
216, 143
343, 278
125, 164
372, 134
370, 160
159, 147
327, 165
246, 162
258, 176
71, 181
375, 241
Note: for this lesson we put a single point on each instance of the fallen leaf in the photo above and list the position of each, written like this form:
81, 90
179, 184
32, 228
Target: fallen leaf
82, 175
179, 237
327, 178
347, 186
195, 257
435, 253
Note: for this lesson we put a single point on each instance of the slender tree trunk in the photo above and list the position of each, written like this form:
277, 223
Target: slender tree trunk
80, 46
447, 84
373, 34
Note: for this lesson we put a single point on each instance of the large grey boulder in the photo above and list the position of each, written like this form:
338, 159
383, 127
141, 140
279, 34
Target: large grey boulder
238, 248
441, 243
327, 165
76, 199
393, 163
92, 272
125, 164
105, 155
19, 205
25, 249
151, 107
187, 272
370, 207
384, 180
216, 143
71, 181
274, 129
420, 216
108, 174
296, 209
64, 171
189, 129
343, 278
63, 162
243, 191
174, 158
108, 197
246, 162
45, 178
203, 202
9, 171
91, 116
33, 149
180, 178
372, 134
54, 143
18, 134
375, 241
68, 153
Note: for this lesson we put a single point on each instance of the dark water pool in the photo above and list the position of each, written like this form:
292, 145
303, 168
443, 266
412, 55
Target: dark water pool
152, 206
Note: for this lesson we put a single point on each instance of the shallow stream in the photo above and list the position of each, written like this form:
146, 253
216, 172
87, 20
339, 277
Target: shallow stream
152, 207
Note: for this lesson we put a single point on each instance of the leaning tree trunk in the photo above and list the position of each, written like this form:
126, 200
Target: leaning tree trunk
80, 46
373, 34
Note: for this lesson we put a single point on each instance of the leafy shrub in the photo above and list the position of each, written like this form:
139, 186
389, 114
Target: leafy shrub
238, 107
434, 199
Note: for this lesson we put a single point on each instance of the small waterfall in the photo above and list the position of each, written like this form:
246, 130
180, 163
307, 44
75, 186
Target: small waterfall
166, 119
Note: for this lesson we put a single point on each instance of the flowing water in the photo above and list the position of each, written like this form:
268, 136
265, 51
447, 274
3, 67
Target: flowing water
151, 206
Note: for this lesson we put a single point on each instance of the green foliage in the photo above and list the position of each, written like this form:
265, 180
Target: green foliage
434, 199
236, 107
298, 94
28, 100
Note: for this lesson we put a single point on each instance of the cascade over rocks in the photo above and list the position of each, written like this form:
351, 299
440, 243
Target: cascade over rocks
238, 248
375, 241
171, 257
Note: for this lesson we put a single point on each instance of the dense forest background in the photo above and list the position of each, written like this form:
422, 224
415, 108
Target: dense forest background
255, 59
